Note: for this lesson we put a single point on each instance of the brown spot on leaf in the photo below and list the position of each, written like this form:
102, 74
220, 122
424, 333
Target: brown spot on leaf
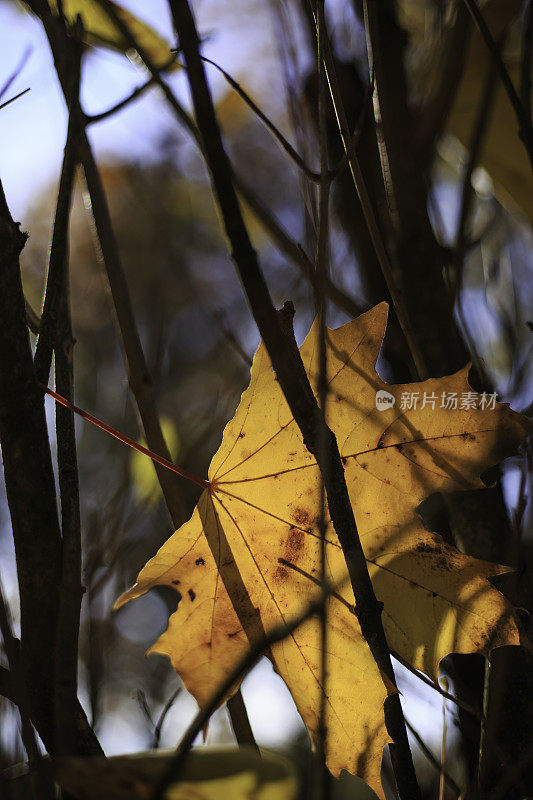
199, 561
301, 516
191, 594
176, 583
425, 547
295, 541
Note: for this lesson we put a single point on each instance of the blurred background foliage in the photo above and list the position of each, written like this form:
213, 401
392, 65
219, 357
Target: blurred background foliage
196, 330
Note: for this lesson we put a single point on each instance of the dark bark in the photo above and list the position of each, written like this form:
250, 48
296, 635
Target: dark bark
29, 483
31, 495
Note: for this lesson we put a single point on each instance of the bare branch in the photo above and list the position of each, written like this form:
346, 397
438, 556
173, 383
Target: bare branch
287, 363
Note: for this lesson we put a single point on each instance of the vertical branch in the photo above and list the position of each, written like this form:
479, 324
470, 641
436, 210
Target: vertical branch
59, 249
294, 383
71, 590
527, 47
55, 334
371, 220
419, 256
138, 374
321, 268
30, 484
139, 378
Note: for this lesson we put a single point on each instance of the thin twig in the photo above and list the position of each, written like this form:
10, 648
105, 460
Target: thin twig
286, 360
527, 50
57, 266
16, 97
164, 462
161, 719
431, 758
321, 269
138, 374
55, 331
134, 95
442, 780
16, 72
370, 217
286, 145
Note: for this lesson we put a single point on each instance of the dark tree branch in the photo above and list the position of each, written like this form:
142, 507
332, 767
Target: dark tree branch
419, 256
376, 236
138, 374
29, 483
71, 590
295, 385
7, 685
272, 227
59, 250
322, 273
30, 487
527, 51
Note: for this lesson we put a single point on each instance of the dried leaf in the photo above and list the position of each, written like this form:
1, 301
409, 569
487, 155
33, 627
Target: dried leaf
256, 534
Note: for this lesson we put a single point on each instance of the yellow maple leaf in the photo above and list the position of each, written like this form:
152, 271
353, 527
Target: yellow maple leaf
255, 534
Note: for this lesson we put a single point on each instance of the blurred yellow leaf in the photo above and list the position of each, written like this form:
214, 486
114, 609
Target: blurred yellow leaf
503, 155
254, 535
207, 774
142, 472
101, 30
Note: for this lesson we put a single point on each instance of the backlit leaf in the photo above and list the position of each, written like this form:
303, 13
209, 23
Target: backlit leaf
255, 535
